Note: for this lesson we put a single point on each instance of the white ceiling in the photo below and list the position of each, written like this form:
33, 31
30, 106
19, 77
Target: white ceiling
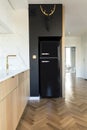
75, 13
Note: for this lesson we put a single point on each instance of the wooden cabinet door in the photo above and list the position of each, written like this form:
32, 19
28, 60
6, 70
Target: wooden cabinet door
8, 112
19, 102
22, 92
7, 86
20, 95
27, 85
3, 123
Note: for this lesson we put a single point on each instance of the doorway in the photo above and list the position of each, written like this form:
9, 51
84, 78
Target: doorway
70, 72
70, 59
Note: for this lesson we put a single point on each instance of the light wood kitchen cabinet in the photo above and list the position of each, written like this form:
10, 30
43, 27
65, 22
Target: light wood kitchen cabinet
14, 93
23, 92
21, 95
8, 112
7, 86
27, 82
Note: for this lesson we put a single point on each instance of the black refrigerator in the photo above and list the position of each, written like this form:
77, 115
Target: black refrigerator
49, 69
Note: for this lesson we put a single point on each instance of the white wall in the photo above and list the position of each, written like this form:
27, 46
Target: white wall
13, 44
17, 42
76, 42
22, 31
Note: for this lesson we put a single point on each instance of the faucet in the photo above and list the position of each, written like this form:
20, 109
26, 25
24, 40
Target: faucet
7, 65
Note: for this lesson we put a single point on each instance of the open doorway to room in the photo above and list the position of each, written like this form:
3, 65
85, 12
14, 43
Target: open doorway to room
70, 72
70, 59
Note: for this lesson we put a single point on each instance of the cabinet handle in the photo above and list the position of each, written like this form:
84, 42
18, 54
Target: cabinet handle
45, 61
45, 54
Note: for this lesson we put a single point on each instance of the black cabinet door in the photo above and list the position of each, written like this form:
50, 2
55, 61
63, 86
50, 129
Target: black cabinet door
48, 49
49, 78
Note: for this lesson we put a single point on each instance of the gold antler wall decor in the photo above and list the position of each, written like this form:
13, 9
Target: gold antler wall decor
48, 13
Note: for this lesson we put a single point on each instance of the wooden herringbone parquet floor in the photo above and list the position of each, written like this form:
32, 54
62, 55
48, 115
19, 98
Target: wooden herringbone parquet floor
59, 114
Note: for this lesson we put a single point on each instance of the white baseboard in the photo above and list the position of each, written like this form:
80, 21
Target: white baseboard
34, 98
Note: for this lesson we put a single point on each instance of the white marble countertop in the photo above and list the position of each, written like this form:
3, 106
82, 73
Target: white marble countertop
4, 75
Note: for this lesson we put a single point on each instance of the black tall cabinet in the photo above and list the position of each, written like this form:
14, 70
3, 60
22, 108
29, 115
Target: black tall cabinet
42, 26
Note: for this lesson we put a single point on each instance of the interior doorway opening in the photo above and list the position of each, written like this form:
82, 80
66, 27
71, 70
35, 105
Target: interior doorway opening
70, 59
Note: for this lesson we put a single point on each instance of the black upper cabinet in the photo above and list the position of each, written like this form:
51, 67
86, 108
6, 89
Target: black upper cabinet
41, 25
46, 25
